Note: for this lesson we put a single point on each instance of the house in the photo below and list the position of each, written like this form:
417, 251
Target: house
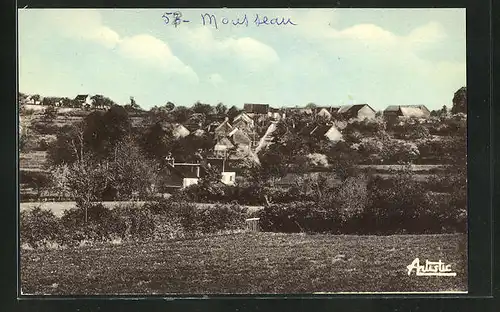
182, 175
276, 113
358, 111
34, 99
299, 110
243, 121
222, 146
326, 112
178, 131
330, 132
239, 138
406, 111
83, 99
223, 129
256, 109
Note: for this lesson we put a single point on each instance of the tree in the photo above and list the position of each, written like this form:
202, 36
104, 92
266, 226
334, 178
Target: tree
444, 111
133, 106
35, 97
460, 101
130, 172
311, 106
200, 108
233, 112
86, 179
49, 101
100, 101
169, 106
156, 142
50, 113
22, 98
181, 114
66, 102
221, 109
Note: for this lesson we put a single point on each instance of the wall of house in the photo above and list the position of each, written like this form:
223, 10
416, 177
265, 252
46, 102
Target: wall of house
189, 181
228, 178
366, 112
324, 113
333, 134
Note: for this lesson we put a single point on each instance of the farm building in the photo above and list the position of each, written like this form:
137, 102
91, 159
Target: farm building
406, 111
326, 112
223, 129
182, 175
358, 111
222, 146
256, 109
83, 99
243, 122
330, 132
275, 113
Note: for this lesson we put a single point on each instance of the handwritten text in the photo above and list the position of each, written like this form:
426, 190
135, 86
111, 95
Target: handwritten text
209, 19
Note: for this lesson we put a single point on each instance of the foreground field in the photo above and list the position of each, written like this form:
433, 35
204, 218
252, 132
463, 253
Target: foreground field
247, 263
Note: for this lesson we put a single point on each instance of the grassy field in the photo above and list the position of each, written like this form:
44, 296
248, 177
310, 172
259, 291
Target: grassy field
247, 264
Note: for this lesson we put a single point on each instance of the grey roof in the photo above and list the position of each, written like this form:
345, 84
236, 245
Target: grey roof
256, 108
352, 109
81, 96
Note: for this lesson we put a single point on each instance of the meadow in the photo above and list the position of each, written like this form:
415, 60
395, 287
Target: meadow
246, 263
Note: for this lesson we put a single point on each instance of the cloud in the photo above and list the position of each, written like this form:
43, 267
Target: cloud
154, 52
250, 52
216, 79
144, 48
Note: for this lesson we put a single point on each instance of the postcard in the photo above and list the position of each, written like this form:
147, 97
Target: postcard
242, 151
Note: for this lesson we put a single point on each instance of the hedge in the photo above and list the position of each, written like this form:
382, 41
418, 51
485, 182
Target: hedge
164, 219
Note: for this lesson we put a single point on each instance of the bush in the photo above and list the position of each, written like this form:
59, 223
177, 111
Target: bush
102, 224
134, 221
38, 227
381, 206
222, 218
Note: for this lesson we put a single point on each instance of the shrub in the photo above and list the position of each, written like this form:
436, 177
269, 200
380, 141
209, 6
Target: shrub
222, 218
134, 221
39, 226
297, 217
102, 224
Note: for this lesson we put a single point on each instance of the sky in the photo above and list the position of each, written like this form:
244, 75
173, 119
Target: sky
329, 57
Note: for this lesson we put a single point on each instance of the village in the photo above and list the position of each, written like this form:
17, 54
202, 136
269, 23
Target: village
242, 137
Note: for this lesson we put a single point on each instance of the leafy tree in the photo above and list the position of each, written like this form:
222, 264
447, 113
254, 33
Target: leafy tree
67, 102
233, 112
86, 179
181, 114
117, 125
36, 97
130, 172
311, 106
133, 106
22, 98
460, 101
200, 108
100, 101
156, 142
221, 109
169, 106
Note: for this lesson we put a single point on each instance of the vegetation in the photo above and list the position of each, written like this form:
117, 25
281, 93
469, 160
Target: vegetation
247, 264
